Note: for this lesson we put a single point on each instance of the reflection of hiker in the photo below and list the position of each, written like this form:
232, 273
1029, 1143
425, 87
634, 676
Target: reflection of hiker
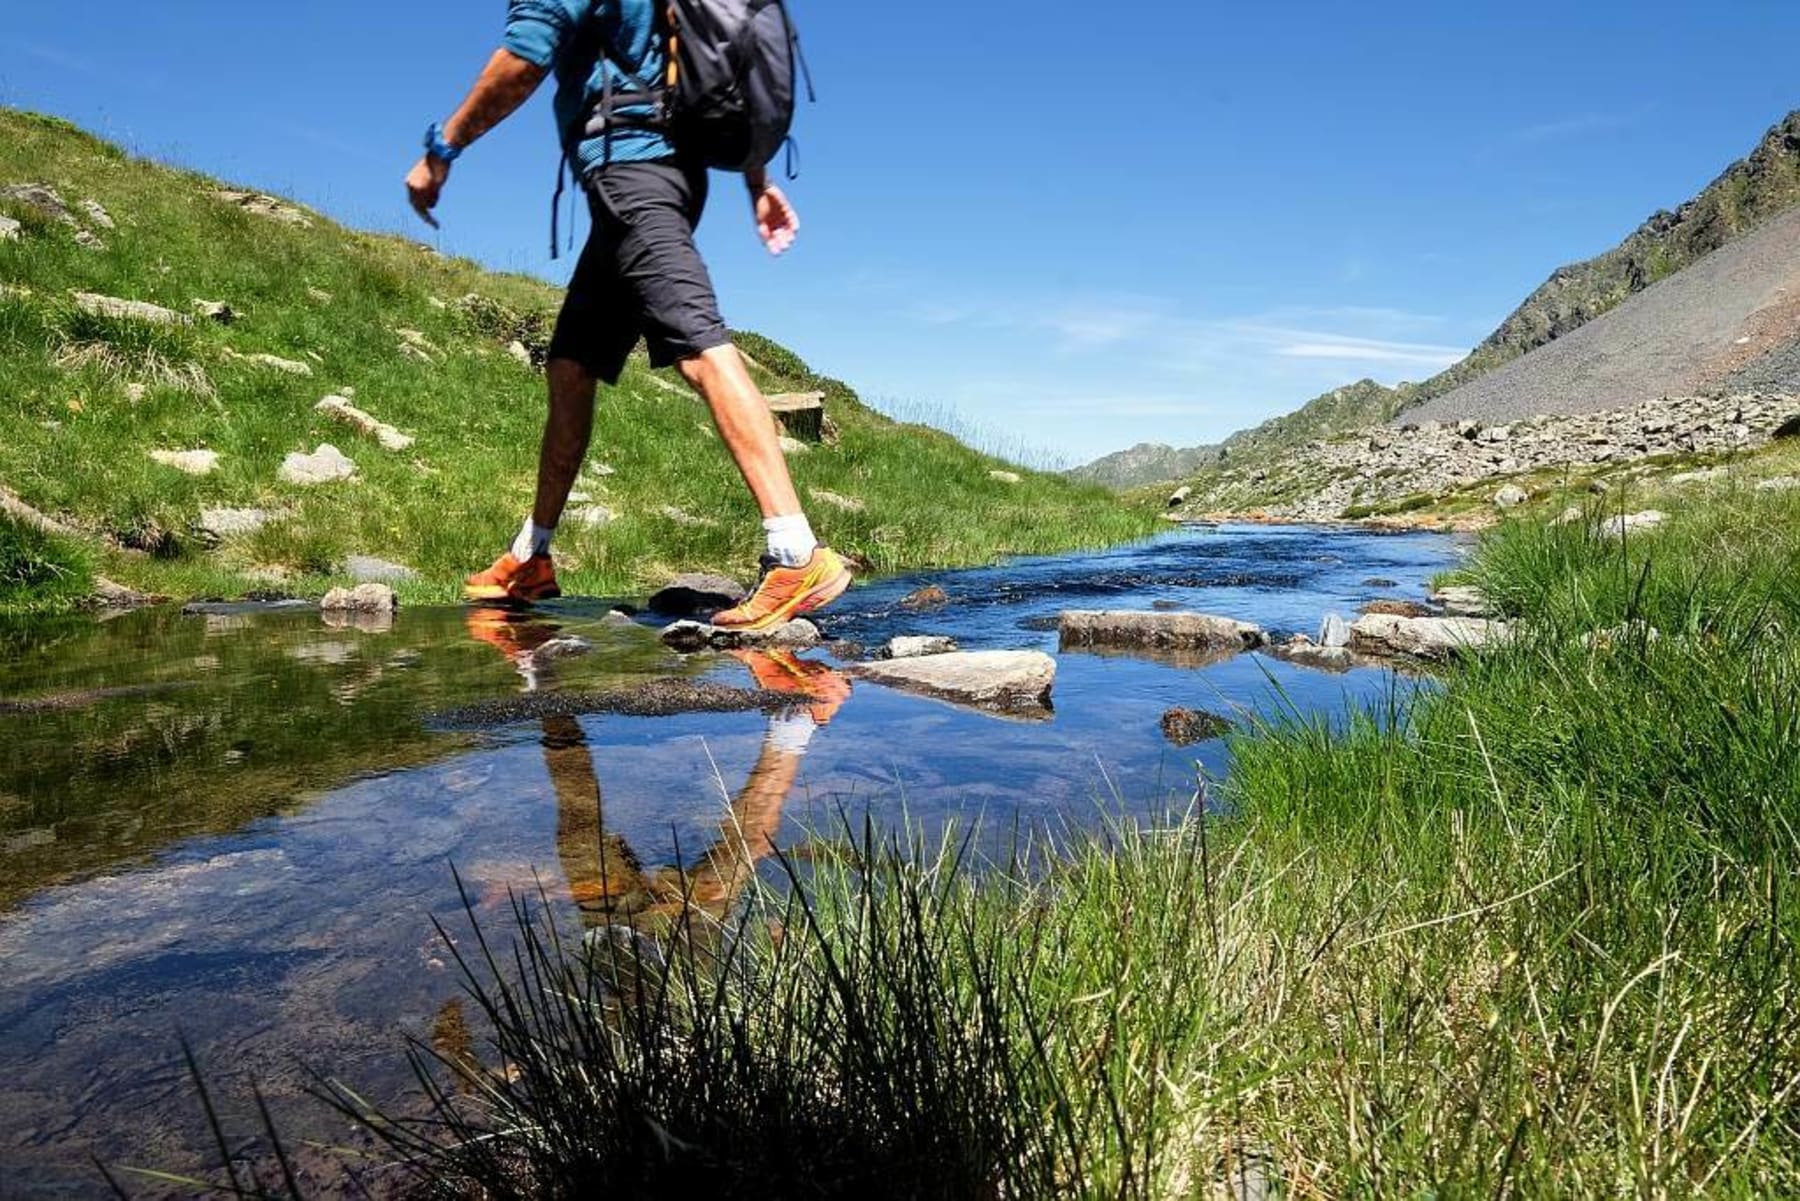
640, 143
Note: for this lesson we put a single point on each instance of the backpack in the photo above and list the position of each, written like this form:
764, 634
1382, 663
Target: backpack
729, 96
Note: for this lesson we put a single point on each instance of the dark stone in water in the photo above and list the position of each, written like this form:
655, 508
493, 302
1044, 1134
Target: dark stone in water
696, 595
1047, 622
1379, 582
1165, 606
1184, 727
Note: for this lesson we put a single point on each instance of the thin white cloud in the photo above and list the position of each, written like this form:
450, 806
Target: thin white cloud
1366, 351
1571, 128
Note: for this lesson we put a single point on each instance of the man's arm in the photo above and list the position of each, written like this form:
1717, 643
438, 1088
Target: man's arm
505, 83
776, 221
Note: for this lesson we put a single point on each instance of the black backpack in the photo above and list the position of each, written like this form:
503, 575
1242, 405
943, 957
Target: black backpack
729, 96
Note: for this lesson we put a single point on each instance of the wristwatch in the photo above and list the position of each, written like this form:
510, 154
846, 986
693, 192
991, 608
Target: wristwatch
437, 146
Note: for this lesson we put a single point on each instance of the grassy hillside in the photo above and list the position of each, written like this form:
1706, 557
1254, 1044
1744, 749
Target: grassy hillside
78, 444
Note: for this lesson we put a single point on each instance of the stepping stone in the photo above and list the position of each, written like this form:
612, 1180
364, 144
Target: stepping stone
1014, 683
917, 646
689, 637
696, 594
1434, 638
326, 465
1173, 631
364, 598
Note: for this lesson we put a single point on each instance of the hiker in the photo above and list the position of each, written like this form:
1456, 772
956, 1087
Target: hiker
640, 274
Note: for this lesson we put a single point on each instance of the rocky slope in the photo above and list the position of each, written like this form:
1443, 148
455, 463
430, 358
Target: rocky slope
1753, 190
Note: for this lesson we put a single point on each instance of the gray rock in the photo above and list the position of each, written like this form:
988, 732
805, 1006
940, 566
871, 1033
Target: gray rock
1435, 638
1133, 628
97, 214
1179, 497
263, 206
1779, 483
366, 569
569, 646
1463, 600
128, 310
325, 465
188, 462
1511, 497
272, 362
1010, 682
42, 197
9, 229
591, 517
1632, 523
340, 409
216, 525
364, 598
917, 646
696, 594
108, 595
1334, 632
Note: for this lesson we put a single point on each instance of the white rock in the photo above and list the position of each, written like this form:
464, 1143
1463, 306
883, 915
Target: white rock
325, 465
9, 229
1779, 483
98, 215
1511, 497
917, 646
319, 295
1632, 523
273, 362
263, 206
1006, 477
1463, 600
135, 393
366, 569
1179, 497
188, 462
518, 351
590, 517
1704, 476
364, 598
1016, 682
219, 524
1135, 628
1424, 637
215, 310
1334, 632
793, 446
342, 410
128, 310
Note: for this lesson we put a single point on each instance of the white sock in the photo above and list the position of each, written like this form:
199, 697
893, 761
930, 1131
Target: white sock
791, 541
790, 734
533, 539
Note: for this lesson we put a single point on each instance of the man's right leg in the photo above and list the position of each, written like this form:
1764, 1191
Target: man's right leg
525, 572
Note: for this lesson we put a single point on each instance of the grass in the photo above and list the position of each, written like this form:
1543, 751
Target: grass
40, 573
1532, 933
334, 299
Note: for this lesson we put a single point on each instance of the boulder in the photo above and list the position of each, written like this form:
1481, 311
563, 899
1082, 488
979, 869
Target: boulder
1180, 496
1184, 727
696, 594
340, 409
520, 353
1334, 631
1511, 497
689, 637
917, 646
1307, 653
366, 569
801, 415
1175, 631
1632, 523
128, 310
1435, 638
325, 465
42, 197
1006, 477
1010, 682
216, 525
364, 598
188, 462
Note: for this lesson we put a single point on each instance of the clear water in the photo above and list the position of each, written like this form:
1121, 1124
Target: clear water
236, 828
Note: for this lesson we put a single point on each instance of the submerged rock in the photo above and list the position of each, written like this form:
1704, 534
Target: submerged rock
1184, 727
1435, 638
1010, 682
928, 597
691, 636
1168, 631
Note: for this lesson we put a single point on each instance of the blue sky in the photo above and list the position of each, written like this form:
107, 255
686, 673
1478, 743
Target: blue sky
1076, 225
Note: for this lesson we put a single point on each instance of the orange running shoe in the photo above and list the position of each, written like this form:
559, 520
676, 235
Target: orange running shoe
823, 687
510, 580
785, 593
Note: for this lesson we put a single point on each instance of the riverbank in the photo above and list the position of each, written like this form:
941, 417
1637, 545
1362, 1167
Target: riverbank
1532, 932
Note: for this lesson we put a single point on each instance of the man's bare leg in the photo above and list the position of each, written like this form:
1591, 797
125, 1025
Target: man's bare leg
746, 425
567, 431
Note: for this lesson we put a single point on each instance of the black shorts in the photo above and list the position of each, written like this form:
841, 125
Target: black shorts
640, 274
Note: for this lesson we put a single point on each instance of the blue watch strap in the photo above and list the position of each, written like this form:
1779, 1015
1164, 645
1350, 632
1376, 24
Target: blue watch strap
437, 146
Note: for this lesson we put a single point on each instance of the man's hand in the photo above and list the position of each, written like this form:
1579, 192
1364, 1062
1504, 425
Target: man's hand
777, 223
424, 184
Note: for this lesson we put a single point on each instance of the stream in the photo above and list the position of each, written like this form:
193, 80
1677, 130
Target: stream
236, 827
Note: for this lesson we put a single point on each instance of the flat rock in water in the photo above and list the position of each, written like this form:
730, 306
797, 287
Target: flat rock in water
569, 646
917, 646
128, 310
1397, 608
696, 594
1010, 682
691, 636
1463, 600
1435, 638
366, 569
188, 462
1161, 631
325, 465
364, 598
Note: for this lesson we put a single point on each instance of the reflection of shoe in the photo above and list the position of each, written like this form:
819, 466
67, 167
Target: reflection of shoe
788, 592
503, 630
510, 580
825, 688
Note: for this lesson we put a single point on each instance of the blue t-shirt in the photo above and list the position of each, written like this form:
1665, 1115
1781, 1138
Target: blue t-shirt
568, 36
